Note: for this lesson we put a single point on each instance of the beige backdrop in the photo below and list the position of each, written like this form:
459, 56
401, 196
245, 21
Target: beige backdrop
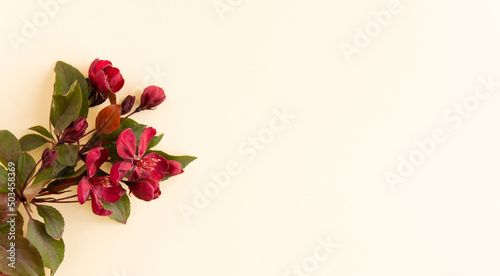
353, 138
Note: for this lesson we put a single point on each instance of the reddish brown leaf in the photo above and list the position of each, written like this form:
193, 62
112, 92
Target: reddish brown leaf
108, 119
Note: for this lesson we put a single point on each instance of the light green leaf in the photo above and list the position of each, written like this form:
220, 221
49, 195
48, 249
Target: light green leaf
51, 250
66, 107
25, 168
121, 209
66, 75
32, 141
154, 141
9, 147
68, 155
43, 131
54, 221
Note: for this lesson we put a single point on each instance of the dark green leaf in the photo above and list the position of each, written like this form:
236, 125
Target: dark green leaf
43, 131
19, 224
68, 155
51, 250
28, 259
184, 159
54, 221
66, 75
4, 186
154, 141
44, 175
25, 168
121, 209
9, 147
57, 168
32, 141
66, 107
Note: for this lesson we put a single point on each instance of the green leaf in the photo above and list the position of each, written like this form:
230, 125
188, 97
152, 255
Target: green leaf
121, 209
25, 168
4, 186
32, 141
28, 259
57, 168
137, 129
51, 250
184, 159
19, 224
66, 75
9, 147
154, 141
66, 107
44, 175
54, 221
43, 131
68, 155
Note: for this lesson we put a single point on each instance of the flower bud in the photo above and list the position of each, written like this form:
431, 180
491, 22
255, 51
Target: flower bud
146, 189
48, 158
75, 130
127, 104
174, 168
151, 98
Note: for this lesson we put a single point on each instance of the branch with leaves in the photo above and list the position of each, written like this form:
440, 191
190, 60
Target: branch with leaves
73, 156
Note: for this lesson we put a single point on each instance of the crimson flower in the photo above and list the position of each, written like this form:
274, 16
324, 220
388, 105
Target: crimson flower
151, 165
102, 188
104, 77
147, 169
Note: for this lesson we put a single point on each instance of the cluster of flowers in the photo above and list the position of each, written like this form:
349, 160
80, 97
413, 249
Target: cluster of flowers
75, 157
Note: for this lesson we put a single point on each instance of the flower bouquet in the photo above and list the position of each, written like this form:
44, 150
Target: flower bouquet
68, 163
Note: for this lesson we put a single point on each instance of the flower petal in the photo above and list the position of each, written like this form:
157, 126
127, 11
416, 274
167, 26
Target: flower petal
83, 190
152, 165
109, 194
101, 81
97, 207
146, 137
119, 170
95, 158
126, 144
92, 69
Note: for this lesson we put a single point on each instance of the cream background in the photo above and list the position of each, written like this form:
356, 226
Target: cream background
323, 174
